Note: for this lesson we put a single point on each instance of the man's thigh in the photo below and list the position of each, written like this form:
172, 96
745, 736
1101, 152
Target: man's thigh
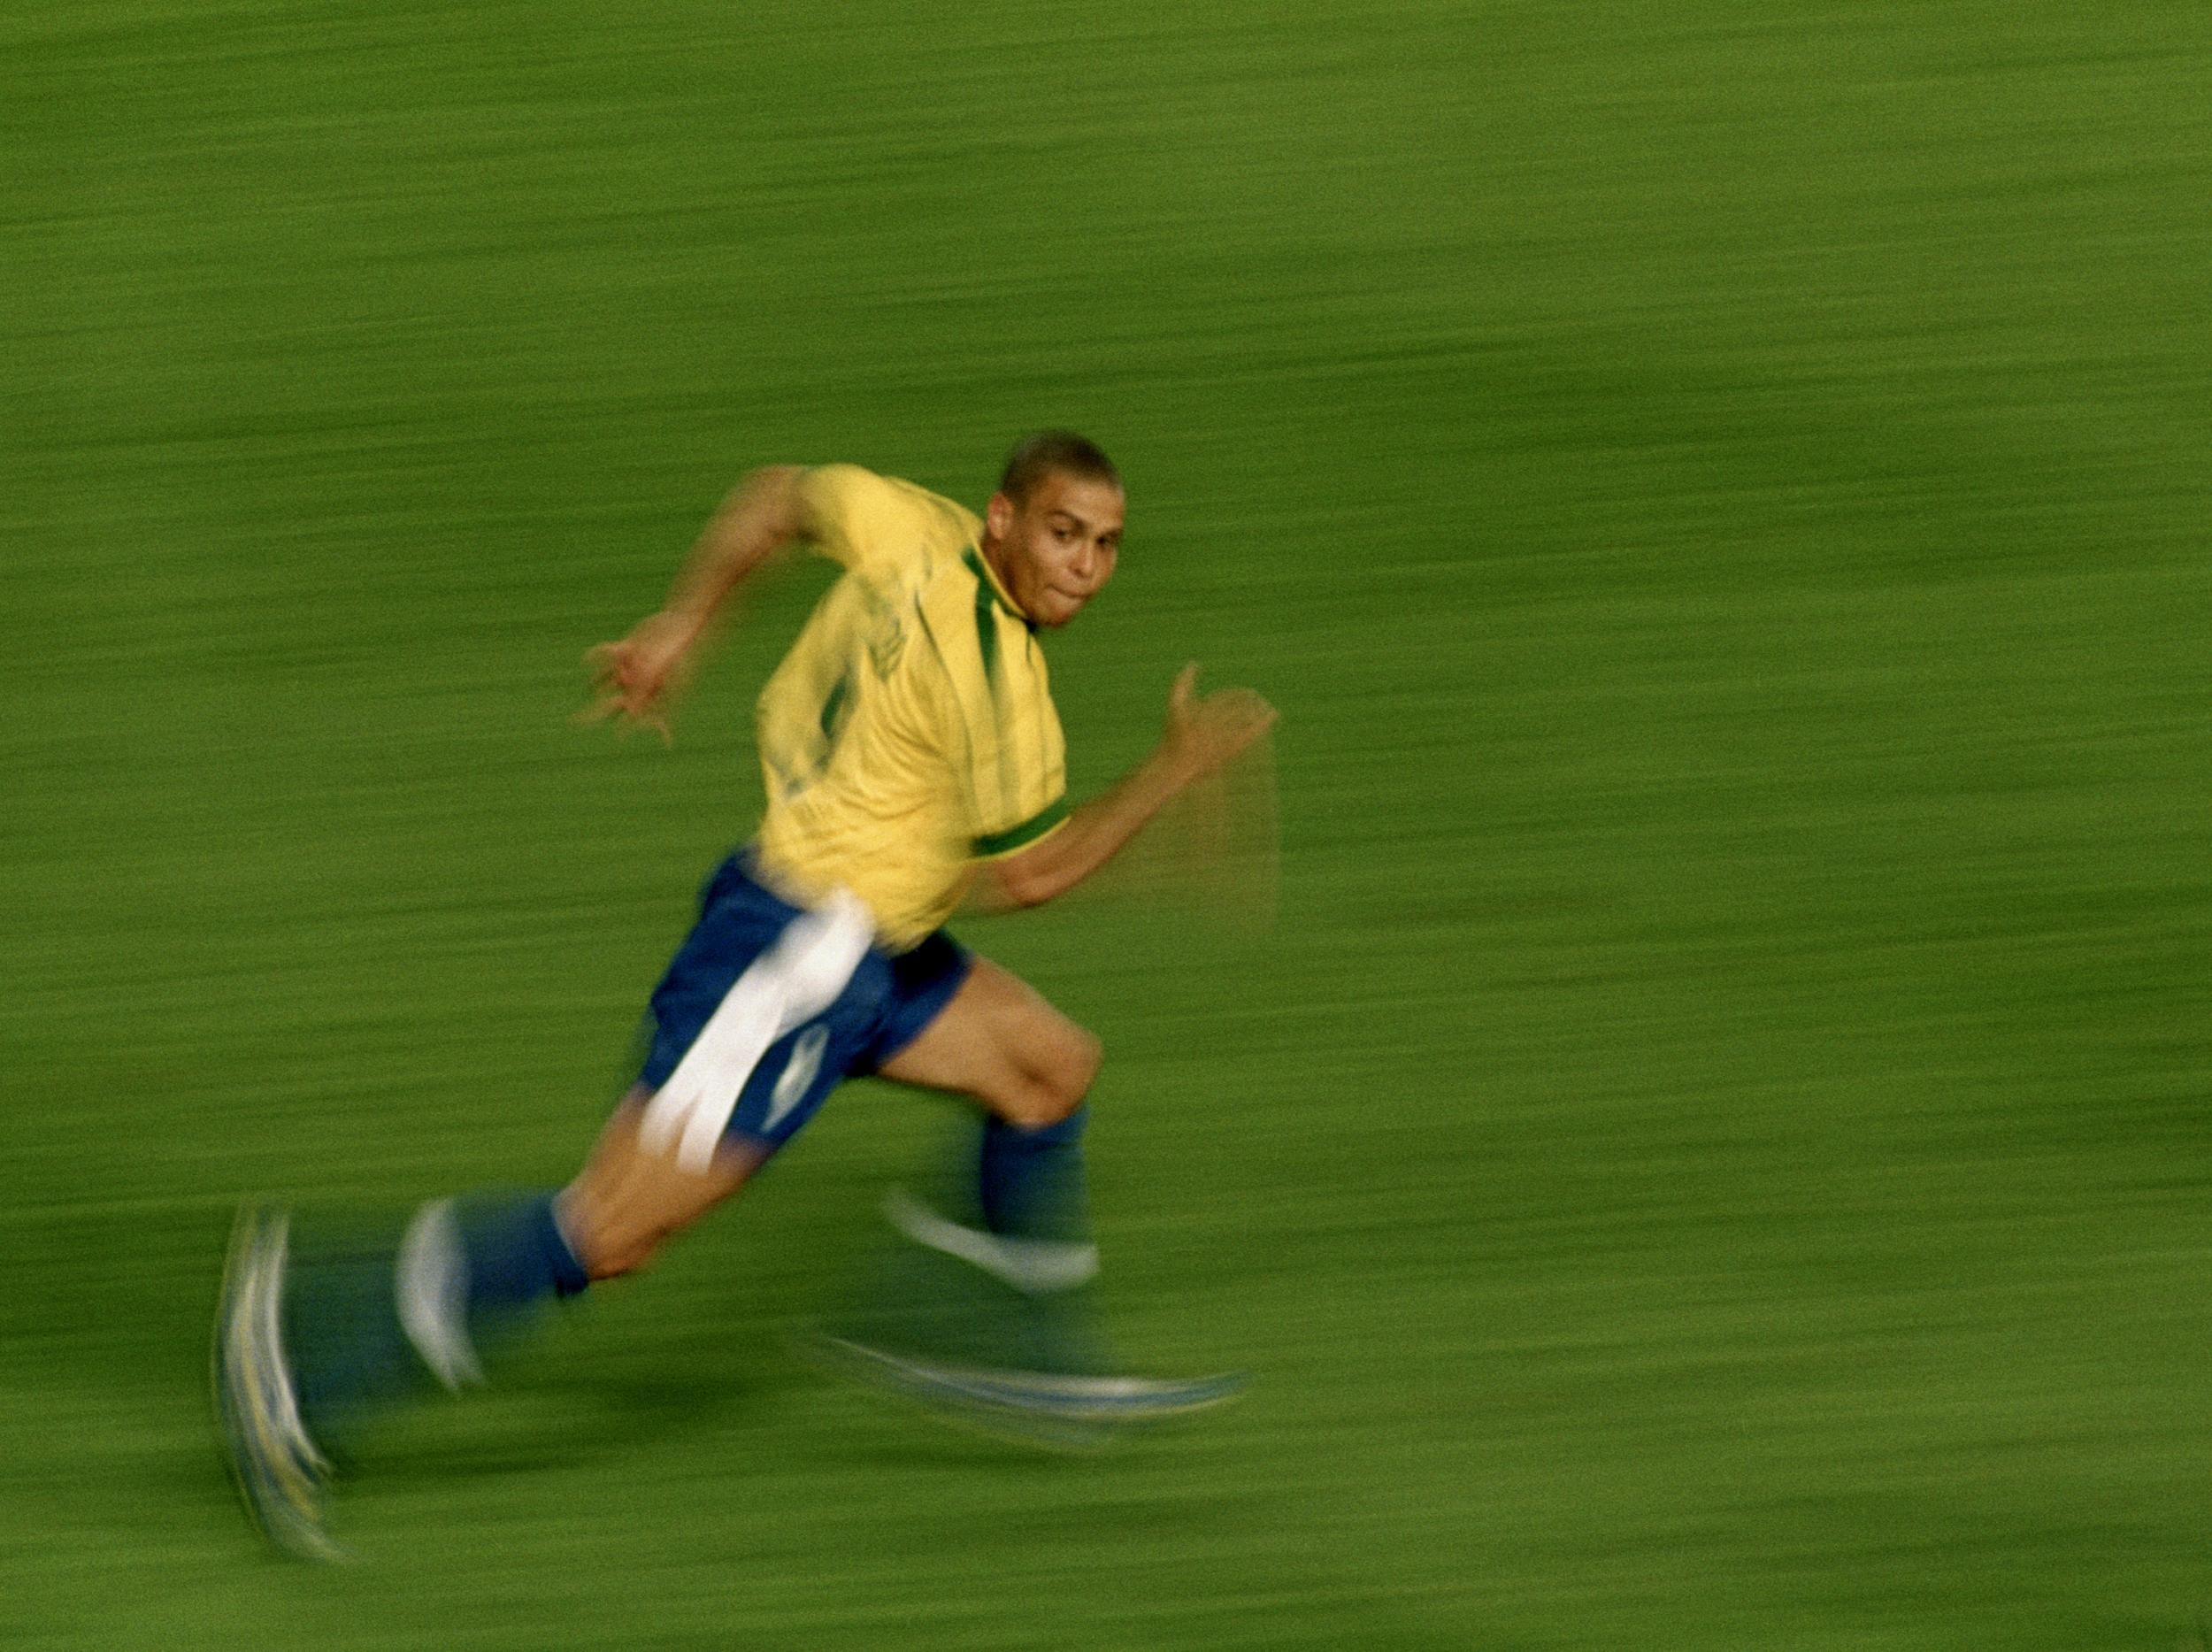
999, 1040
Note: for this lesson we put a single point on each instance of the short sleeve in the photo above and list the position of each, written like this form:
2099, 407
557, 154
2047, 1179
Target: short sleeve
867, 522
992, 845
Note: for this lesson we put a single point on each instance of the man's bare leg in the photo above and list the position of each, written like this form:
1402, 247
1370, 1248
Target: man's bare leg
1029, 1067
630, 1198
1002, 1044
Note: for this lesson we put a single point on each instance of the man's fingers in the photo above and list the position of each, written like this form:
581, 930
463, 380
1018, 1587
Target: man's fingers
1226, 722
631, 680
610, 666
1186, 687
641, 717
1242, 710
1243, 703
1253, 728
630, 704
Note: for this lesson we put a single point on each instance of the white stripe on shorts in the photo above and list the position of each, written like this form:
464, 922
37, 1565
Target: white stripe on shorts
789, 985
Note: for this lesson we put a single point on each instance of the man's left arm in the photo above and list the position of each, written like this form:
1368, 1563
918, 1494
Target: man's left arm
1203, 734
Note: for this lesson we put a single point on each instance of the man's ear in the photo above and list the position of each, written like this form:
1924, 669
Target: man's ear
998, 515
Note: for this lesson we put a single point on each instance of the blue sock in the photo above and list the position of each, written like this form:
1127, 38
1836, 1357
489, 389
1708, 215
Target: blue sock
515, 1257
351, 1353
1030, 1183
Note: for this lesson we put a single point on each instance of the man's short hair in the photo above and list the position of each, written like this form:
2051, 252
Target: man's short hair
1054, 452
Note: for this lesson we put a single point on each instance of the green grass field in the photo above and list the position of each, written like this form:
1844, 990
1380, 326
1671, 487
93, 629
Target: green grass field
1715, 1153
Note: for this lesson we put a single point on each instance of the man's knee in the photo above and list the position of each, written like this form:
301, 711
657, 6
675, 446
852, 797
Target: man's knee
605, 1244
1058, 1078
1086, 1057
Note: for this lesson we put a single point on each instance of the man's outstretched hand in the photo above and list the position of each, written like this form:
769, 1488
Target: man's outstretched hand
1205, 731
638, 678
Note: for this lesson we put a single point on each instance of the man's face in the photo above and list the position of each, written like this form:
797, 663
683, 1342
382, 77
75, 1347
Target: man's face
1056, 548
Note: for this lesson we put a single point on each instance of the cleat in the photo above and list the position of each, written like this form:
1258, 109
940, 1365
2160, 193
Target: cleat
1061, 1408
279, 1474
1035, 1267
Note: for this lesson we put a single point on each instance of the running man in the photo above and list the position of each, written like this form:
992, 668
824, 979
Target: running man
913, 763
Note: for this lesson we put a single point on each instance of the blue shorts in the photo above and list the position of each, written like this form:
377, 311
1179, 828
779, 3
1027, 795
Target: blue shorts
890, 998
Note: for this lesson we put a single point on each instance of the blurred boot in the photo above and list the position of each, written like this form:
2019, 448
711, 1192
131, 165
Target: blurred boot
993, 1317
364, 1329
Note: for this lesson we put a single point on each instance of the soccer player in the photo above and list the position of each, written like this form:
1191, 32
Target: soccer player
913, 762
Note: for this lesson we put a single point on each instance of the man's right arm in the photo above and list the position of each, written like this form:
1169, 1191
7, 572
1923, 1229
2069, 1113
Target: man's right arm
762, 515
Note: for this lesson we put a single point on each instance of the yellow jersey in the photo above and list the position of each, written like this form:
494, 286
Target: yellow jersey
910, 731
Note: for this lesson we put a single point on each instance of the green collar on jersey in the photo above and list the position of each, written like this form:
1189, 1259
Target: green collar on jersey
992, 590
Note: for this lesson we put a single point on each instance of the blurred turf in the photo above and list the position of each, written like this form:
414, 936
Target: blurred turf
1715, 1154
